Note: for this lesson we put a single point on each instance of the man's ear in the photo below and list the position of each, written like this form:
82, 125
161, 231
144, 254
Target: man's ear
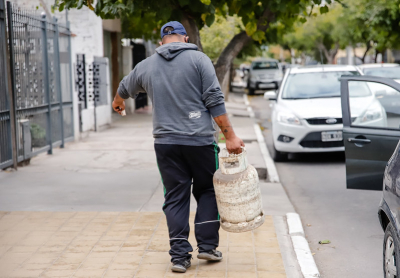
187, 39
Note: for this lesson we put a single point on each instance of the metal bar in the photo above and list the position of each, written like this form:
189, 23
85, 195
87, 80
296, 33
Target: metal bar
46, 83
70, 74
12, 93
58, 78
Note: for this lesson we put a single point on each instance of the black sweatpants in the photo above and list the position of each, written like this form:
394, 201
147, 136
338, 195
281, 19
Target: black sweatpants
180, 166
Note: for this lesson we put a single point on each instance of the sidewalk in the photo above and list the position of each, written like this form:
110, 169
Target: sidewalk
93, 209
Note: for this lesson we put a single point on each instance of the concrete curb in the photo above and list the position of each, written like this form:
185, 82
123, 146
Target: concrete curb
301, 247
300, 244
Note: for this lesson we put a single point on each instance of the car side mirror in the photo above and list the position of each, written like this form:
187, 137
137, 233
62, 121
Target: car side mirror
270, 95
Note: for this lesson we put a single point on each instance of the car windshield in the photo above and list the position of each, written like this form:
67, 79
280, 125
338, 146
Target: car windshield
262, 65
315, 85
393, 72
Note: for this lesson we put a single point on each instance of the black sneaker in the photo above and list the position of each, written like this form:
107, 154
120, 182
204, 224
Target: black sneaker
181, 265
212, 255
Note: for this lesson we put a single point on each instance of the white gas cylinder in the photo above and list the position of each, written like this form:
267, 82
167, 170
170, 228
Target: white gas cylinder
238, 193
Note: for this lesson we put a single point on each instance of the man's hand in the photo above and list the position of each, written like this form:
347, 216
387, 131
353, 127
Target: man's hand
118, 104
234, 145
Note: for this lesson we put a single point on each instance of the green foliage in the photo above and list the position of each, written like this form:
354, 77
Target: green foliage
216, 37
372, 23
321, 32
144, 17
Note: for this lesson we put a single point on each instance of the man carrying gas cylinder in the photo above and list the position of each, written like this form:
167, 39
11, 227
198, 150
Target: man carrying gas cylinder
186, 95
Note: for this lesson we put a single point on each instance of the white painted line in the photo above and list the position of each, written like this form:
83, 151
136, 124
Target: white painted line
305, 257
246, 100
271, 169
251, 113
294, 224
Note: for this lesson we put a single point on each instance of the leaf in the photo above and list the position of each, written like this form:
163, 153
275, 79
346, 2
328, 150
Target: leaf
251, 28
258, 36
206, 2
210, 19
61, 7
203, 17
302, 20
324, 9
80, 4
183, 2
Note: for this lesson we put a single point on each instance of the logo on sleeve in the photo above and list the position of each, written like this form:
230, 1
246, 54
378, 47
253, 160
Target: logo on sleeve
194, 115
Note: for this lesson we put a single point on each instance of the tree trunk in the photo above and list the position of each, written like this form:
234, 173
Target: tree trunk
192, 30
229, 53
236, 45
366, 51
329, 54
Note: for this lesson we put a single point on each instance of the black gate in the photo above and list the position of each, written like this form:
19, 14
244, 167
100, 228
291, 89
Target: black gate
41, 84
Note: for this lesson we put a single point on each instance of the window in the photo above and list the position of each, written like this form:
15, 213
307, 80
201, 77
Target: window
314, 84
374, 104
388, 72
262, 65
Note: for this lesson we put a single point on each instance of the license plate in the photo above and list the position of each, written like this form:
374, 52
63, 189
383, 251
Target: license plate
327, 136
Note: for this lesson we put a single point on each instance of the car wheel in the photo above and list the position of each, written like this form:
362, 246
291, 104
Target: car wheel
391, 253
278, 156
251, 91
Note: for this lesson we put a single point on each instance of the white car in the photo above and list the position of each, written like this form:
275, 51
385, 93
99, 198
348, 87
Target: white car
388, 70
307, 115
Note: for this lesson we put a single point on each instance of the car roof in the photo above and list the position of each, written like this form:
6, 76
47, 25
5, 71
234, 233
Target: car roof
322, 68
380, 65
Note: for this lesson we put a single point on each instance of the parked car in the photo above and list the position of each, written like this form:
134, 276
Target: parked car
264, 74
373, 156
307, 115
388, 70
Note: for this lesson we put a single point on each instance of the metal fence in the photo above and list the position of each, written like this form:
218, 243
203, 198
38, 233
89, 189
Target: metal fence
40, 96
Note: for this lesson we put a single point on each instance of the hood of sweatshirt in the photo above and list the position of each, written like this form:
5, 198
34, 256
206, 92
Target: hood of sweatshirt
170, 50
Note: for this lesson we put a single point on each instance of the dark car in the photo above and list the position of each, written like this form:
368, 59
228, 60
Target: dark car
371, 140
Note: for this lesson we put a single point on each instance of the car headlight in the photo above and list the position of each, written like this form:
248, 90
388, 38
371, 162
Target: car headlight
279, 76
373, 113
288, 118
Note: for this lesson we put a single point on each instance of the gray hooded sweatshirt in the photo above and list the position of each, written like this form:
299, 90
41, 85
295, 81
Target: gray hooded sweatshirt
184, 89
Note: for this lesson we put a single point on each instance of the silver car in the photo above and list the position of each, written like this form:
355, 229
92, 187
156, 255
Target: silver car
264, 74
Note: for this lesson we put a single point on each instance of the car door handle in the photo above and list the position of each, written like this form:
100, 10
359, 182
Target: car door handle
359, 140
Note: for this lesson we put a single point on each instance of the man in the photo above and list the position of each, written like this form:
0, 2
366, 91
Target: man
185, 93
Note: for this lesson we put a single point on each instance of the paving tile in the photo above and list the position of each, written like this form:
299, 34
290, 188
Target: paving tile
89, 273
267, 274
211, 274
212, 266
156, 258
239, 274
117, 244
145, 273
123, 266
22, 273
52, 273
241, 258
112, 273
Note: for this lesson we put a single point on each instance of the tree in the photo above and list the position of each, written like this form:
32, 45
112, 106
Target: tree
320, 34
257, 17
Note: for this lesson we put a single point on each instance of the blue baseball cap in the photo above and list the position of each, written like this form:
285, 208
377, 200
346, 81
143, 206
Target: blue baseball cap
178, 29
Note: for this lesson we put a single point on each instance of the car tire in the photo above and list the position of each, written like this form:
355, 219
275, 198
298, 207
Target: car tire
251, 91
391, 253
278, 156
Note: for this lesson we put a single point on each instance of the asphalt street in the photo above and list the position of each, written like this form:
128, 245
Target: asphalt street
316, 185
